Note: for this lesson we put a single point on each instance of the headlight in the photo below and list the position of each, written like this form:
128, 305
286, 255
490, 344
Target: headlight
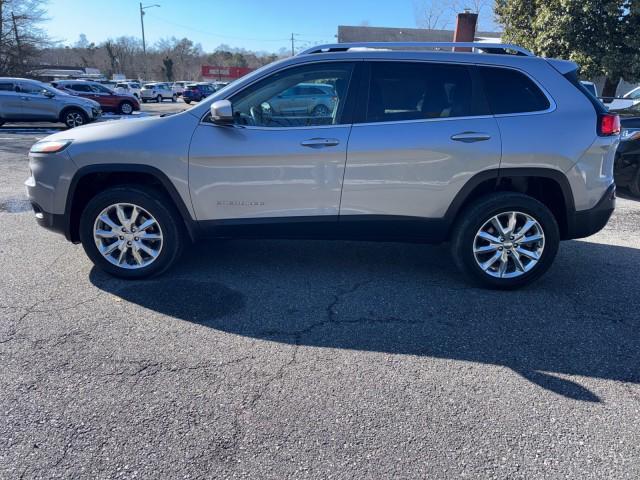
629, 134
50, 146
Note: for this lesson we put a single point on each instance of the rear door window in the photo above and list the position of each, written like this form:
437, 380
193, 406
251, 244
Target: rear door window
6, 87
510, 91
400, 91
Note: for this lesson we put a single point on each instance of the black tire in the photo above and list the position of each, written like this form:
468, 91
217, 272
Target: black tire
126, 108
154, 202
159, 99
144, 100
174, 99
1, 123
478, 214
68, 113
634, 184
321, 111
188, 102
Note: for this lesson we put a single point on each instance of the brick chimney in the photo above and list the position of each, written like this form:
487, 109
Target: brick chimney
465, 29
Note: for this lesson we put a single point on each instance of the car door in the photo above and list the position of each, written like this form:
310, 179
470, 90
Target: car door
10, 103
424, 130
35, 105
268, 165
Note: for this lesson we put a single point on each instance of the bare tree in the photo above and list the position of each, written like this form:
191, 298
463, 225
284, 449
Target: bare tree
21, 36
440, 14
431, 14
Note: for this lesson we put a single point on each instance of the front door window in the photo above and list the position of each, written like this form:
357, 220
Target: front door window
307, 96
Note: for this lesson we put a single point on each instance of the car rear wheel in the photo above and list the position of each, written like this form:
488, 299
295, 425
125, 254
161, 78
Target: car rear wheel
74, 117
634, 184
174, 99
126, 108
159, 99
321, 111
505, 240
187, 101
144, 100
131, 232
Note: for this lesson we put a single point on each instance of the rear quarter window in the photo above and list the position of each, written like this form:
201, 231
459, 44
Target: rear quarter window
510, 91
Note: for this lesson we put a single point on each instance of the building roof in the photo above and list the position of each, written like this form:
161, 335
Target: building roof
349, 34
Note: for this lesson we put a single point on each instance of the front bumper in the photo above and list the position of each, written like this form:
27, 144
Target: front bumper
57, 223
585, 223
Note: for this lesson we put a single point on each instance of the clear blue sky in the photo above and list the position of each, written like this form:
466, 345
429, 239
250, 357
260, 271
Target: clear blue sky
261, 25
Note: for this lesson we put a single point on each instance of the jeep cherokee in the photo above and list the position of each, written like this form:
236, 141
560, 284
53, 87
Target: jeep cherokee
502, 155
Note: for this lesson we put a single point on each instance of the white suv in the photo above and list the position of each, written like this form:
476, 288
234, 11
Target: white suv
157, 92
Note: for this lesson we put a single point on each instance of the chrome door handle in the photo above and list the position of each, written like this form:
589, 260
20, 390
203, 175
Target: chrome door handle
320, 142
471, 137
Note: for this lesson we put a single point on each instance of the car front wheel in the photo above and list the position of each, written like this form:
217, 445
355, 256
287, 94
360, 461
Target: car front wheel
159, 98
505, 240
131, 232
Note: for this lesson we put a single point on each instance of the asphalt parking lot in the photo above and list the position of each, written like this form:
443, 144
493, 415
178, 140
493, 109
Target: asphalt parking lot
308, 359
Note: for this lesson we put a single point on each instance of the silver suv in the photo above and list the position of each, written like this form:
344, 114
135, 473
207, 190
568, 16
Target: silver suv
23, 100
501, 155
158, 92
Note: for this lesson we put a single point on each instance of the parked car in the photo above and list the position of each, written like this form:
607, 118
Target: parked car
219, 85
628, 100
109, 100
131, 88
23, 100
194, 92
422, 146
627, 164
178, 87
157, 91
314, 99
591, 87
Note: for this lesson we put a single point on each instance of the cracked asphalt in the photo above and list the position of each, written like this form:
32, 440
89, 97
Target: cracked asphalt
274, 359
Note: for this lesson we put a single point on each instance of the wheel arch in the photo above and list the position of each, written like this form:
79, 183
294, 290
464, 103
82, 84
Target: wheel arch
551, 187
92, 179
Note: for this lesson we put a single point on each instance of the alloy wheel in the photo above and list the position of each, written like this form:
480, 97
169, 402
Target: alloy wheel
73, 119
128, 236
509, 245
126, 108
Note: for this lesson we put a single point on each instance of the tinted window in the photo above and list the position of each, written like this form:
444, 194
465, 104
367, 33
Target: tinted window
416, 91
509, 91
79, 87
6, 87
265, 103
32, 88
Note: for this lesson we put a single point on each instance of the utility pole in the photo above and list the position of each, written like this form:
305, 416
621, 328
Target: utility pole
293, 47
144, 43
15, 31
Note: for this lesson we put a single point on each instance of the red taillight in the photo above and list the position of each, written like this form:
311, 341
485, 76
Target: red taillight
609, 124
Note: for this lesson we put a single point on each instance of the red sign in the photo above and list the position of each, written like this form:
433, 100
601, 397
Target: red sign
213, 71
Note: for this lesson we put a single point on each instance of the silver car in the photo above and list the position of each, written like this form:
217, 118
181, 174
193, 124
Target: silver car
157, 91
23, 100
501, 155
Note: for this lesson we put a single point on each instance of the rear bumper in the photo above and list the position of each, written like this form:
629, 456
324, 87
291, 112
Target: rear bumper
585, 223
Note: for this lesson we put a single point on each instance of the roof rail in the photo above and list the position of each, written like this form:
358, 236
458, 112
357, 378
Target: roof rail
499, 48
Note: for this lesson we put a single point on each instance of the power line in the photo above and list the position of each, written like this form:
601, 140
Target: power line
204, 32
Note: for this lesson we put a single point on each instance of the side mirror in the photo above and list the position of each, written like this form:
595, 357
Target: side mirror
222, 112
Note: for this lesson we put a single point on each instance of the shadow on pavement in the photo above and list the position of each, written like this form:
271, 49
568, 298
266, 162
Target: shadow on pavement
580, 319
